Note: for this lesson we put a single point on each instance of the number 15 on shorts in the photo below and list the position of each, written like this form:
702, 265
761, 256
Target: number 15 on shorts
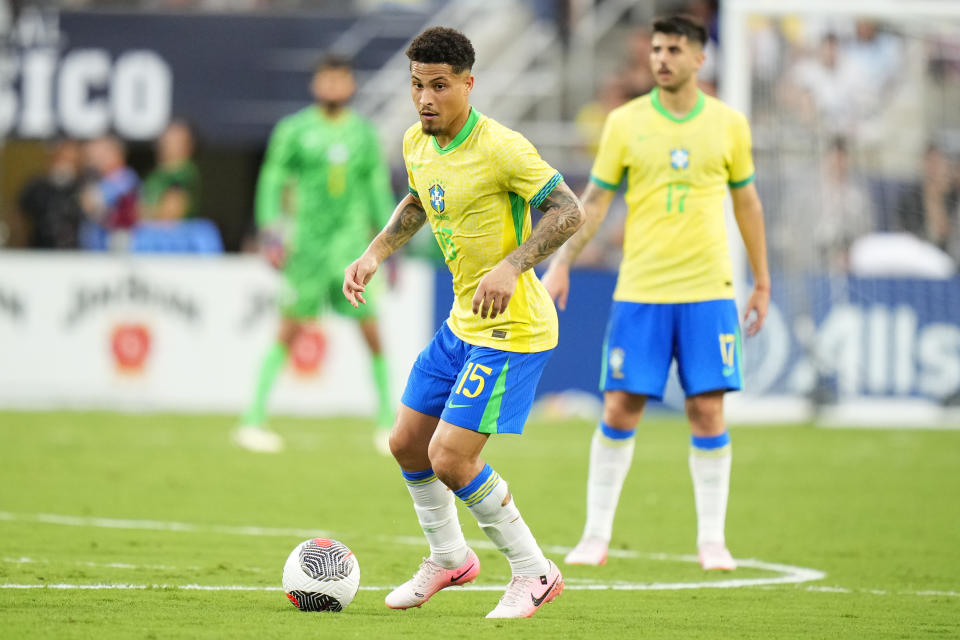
475, 372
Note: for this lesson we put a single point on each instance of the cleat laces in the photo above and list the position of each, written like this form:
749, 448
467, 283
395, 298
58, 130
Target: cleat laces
426, 573
515, 592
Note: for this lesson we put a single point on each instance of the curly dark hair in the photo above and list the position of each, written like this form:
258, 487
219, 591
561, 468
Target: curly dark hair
442, 45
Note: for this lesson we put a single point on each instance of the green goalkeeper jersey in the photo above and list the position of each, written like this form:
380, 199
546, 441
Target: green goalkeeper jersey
339, 183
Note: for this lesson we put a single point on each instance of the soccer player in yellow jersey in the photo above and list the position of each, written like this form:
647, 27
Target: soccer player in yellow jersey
475, 181
680, 151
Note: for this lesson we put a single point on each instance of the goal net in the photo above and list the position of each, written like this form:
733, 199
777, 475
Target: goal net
855, 113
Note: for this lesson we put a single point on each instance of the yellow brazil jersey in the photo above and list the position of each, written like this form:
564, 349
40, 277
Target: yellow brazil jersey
678, 170
477, 192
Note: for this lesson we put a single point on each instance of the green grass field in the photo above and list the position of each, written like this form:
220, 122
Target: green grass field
164, 501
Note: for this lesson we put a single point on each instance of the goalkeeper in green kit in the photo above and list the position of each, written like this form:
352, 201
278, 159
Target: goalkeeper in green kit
328, 159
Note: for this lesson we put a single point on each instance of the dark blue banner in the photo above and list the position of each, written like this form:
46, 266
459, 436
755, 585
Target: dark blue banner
840, 336
81, 74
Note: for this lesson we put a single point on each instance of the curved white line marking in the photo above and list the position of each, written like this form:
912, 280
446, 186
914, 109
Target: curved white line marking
787, 574
159, 525
485, 587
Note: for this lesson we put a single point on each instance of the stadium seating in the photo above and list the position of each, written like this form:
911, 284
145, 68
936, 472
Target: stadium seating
189, 236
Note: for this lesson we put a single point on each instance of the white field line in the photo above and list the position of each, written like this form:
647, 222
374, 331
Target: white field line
109, 565
158, 525
469, 587
786, 574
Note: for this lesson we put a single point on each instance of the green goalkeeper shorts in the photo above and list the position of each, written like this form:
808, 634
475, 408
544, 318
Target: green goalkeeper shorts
311, 288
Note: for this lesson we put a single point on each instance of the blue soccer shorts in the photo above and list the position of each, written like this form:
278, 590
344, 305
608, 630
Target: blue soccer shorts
643, 339
477, 388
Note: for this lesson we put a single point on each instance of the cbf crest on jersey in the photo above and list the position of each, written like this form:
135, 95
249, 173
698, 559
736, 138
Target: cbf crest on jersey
436, 198
679, 158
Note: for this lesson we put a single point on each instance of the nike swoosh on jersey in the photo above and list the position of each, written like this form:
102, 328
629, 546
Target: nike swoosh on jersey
414, 167
537, 601
728, 371
450, 405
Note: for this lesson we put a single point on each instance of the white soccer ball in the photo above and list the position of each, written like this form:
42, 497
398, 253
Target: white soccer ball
321, 575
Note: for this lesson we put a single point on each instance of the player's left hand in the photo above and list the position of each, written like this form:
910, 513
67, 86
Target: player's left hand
495, 290
757, 305
356, 276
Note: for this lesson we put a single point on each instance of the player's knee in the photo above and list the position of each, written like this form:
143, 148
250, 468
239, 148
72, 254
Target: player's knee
442, 461
622, 410
402, 444
705, 415
447, 464
288, 332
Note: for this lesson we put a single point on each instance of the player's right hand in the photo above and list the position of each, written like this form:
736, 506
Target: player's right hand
355, 278
557, 282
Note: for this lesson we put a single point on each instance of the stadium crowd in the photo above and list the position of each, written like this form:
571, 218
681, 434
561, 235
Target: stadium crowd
836, 167
827, 97
89, 198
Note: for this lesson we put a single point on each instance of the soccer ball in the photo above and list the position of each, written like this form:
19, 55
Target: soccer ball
321, 575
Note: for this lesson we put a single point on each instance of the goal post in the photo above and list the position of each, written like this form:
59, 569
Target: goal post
854, 106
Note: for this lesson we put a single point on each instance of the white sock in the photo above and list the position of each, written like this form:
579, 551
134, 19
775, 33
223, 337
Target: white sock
437, 513
710, 460
610, 460
489, 500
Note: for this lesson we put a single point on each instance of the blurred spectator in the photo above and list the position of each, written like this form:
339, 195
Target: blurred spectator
928, 208
50, 204
706, 12
827, 212
110, 200
637, 73
172, 190
875, 56
823, 88
845, 212
590, 118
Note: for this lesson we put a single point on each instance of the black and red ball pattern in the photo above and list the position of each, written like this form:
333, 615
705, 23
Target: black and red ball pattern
314, 601
324, 560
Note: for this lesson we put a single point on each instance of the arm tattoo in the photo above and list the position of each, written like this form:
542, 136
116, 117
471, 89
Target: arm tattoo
404, 223
595, 202
562, 216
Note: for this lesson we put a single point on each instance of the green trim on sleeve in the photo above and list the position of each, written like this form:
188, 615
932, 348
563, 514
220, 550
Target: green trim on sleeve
517, 208
741, 183
413, 191
662, 110
465, 131
546, 190
603, 183
491, 414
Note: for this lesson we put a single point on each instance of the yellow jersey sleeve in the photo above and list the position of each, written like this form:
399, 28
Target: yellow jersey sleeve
609, 164
740, 165
522, 171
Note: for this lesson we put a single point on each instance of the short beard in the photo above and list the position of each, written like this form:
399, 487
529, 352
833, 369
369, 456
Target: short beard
675, 85
430, 129
333, 106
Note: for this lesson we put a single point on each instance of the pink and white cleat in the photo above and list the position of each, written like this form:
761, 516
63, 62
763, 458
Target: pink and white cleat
715, 556
429, 579
526, 594
589, 551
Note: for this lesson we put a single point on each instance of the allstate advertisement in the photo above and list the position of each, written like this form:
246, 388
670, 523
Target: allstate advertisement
834, 337
845, 336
